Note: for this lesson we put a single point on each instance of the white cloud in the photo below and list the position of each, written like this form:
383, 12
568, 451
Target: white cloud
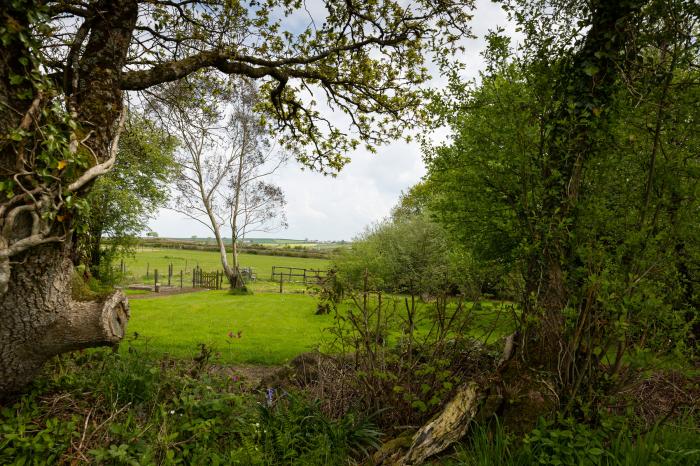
326, 208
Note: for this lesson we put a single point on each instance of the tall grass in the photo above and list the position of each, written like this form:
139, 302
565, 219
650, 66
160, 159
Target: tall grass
617, 444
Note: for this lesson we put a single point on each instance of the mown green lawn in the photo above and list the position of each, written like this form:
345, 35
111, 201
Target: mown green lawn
274, 328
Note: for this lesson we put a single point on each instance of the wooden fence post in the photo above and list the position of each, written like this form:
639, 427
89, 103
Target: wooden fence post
281, 277
156, 287
216, 283
193, 278
180, 278
147, 267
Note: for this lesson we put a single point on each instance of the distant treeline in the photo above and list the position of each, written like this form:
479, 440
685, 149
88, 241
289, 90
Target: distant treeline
204, 245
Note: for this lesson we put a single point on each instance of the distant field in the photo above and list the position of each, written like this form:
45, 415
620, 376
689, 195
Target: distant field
274, 328
209, 261
266, 242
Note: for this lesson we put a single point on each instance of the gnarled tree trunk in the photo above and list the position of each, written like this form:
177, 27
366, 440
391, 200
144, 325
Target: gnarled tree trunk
38, 317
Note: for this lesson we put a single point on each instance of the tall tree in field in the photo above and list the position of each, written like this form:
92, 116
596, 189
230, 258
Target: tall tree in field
254, 205
65, 66
226, 155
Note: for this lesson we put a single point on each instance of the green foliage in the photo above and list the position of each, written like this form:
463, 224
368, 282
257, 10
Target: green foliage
573, 171
410, 254
407, 356
33, 437
566, 442
122, 201
115, 409
489, 445
294, 431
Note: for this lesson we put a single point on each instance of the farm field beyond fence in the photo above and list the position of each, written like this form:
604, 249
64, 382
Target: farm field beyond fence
149, 259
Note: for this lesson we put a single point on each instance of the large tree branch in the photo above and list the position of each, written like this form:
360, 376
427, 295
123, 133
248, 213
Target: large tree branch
245, 65
172, 71
88, 324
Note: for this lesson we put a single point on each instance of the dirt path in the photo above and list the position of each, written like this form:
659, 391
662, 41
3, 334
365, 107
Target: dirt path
165, 292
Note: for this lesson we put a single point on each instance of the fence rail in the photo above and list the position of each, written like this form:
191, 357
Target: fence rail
296, 274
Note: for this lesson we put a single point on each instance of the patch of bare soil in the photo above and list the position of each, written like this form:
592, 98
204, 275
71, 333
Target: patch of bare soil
251, 376
166, 292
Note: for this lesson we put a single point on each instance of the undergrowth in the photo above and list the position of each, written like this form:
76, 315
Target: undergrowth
565, 442
104, 407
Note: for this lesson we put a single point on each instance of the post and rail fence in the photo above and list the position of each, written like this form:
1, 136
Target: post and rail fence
215, 280
297, 274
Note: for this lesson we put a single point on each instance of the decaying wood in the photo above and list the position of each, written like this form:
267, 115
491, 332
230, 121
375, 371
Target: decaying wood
448, 427
452, 423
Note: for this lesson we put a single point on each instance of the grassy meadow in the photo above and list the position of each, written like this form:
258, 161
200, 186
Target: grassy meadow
274, 327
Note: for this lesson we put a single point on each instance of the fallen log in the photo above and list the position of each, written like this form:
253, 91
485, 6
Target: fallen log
452, 423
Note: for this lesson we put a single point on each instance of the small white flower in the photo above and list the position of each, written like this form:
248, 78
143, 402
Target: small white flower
172, 411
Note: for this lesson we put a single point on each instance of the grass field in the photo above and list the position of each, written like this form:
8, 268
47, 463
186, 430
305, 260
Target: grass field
274, 327
209, 261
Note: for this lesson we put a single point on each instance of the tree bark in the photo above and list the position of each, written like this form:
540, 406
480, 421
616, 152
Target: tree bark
39, 319
236, 279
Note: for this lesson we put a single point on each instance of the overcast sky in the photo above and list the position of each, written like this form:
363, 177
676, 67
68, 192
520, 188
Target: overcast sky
325, 208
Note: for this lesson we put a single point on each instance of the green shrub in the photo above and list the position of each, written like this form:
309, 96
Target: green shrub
295, 431
28, 436
488, 445
568, 442
671, 444
101, 407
